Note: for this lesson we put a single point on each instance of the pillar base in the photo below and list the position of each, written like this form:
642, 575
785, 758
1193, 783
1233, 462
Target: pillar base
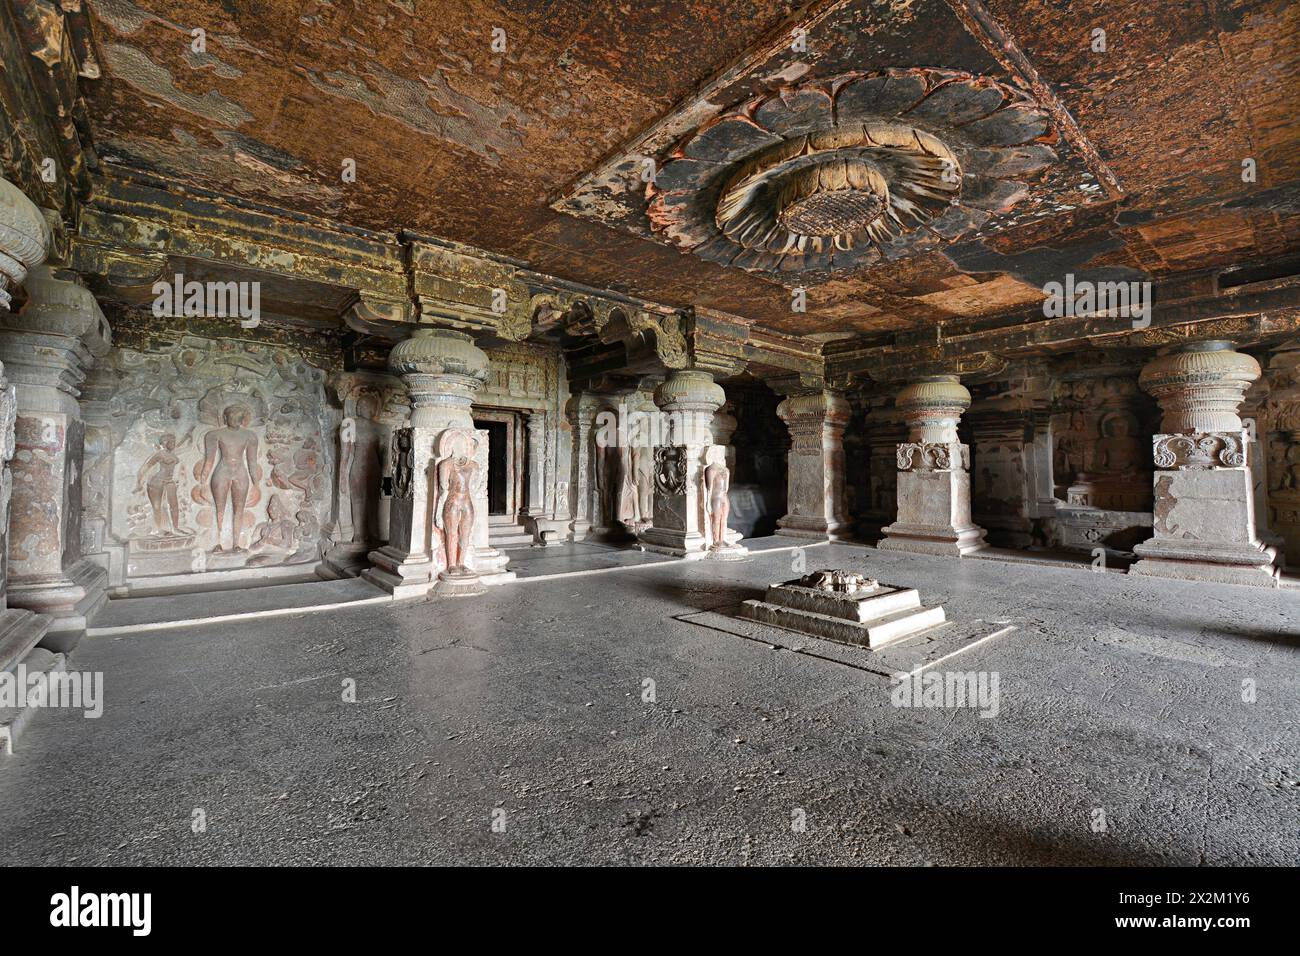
345, 560
1207, 561
70, 600
400, 574
490, 566
678, 544
815, 529
930, 539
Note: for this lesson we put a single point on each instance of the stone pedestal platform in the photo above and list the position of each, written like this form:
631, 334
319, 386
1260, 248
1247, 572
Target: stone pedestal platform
873, 615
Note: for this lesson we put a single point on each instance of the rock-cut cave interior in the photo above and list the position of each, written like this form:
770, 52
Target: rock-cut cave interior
743, 432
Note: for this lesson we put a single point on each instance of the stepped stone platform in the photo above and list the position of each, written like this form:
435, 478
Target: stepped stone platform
845, 607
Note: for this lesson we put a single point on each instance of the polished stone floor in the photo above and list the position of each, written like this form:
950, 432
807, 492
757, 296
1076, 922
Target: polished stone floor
1121, 700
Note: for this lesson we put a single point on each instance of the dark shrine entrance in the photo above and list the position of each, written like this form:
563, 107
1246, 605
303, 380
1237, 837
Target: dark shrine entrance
498, 465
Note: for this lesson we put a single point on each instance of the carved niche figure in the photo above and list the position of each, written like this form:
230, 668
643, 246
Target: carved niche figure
717, 480
279, 531
453, 508
230, 465
1119, 451
642, 474
364, 469
161, 487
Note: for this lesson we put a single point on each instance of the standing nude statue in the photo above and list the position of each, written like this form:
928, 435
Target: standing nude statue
642, 474
717, 479
161, 486
453, 508
233, 452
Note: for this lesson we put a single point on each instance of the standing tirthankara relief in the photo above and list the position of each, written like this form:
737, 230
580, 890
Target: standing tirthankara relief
458, 482
218, 460
230, 473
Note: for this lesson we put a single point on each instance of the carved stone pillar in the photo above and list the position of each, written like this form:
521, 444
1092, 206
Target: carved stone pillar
1204, 496
934, 514
689, 399
581, 411
535, 425
46, 349
24, 241
815, 465
441, 370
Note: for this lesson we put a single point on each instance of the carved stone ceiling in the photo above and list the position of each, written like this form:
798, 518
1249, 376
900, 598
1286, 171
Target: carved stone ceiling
1126, 161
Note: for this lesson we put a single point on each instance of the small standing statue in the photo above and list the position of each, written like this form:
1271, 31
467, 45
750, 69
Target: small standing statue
230, 461
162, 487
453, 509
717, 482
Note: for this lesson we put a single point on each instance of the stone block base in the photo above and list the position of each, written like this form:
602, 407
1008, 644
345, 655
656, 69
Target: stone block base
873, 619
397, 573
490, 567
816, 529
346, 560
926, 539
678, 544
70, 600
1199, 561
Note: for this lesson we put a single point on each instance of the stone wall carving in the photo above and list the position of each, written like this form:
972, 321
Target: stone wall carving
217, 458
670, 469
932, 456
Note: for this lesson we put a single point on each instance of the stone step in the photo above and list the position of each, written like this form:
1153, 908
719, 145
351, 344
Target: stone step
19, 632
874, 634
14, 719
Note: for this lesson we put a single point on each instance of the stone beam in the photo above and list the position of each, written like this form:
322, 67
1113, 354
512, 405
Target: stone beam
1246, 313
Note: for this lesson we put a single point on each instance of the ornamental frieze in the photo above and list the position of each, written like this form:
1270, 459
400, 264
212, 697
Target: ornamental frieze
1198, 450
933, 456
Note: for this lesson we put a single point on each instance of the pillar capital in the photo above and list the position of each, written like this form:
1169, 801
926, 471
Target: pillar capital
690, 390
24, 239
932, 406
442, 371
56, 337
818, 407
1200, 386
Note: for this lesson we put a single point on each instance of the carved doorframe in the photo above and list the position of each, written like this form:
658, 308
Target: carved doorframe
516, 460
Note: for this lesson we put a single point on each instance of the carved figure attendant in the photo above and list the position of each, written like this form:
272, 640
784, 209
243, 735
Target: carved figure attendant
453, 508
161, 486
231, 469
717, 480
